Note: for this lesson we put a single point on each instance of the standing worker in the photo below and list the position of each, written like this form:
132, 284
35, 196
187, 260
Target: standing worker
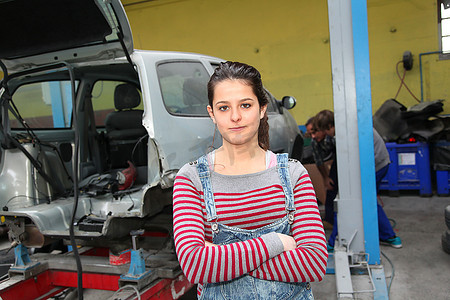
246, 222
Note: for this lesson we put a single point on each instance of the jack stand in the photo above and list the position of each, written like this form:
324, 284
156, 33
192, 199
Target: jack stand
22, 261
137, 275
23, 265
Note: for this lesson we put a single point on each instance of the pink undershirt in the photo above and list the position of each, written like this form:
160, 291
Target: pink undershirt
271, 159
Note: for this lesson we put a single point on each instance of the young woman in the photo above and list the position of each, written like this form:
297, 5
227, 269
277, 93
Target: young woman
246, 222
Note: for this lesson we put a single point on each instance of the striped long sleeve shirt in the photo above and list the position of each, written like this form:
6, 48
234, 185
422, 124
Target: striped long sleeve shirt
248, 201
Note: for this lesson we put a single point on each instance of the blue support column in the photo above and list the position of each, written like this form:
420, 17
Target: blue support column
67, 103
365, 129
349, 203
356, 204
57, 105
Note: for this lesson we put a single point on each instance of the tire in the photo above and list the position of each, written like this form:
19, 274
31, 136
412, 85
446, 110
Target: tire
446, 241
447, 216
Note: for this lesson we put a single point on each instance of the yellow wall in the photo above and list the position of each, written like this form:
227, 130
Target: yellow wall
288, 41
396, 26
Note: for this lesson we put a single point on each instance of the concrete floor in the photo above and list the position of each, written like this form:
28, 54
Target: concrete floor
421, 267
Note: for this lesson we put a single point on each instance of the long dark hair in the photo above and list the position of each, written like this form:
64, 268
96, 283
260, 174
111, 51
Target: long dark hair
239, 71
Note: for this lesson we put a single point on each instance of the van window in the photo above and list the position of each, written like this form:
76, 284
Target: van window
44, 105
103, 100
183, 87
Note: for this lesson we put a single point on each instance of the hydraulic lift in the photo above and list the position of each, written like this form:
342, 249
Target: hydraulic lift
357, 249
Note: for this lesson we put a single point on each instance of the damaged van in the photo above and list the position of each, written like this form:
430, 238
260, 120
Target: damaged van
93, 131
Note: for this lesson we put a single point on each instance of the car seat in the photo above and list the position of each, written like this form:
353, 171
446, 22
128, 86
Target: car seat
124, 130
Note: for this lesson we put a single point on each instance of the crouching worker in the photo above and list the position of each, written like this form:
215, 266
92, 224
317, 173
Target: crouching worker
246, 222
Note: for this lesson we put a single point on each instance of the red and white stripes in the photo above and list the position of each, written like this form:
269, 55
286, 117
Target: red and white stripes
248, 210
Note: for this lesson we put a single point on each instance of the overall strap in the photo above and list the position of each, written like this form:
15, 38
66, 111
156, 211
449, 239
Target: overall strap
205, 179
283, 172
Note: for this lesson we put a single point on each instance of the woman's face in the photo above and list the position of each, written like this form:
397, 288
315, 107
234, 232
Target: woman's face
236, 112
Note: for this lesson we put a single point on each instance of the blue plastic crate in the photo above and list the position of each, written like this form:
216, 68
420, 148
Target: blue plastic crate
442, 182
409, 168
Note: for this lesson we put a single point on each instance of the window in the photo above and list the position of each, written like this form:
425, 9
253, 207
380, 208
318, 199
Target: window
103, 100
44, 105
183, 87
444, 26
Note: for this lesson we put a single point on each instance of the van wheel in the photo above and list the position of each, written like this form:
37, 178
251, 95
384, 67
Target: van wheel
297, 149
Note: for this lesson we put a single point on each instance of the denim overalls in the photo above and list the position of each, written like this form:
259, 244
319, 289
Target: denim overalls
246, 286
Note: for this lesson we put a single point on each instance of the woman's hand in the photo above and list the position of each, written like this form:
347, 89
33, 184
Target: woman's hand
288, 242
